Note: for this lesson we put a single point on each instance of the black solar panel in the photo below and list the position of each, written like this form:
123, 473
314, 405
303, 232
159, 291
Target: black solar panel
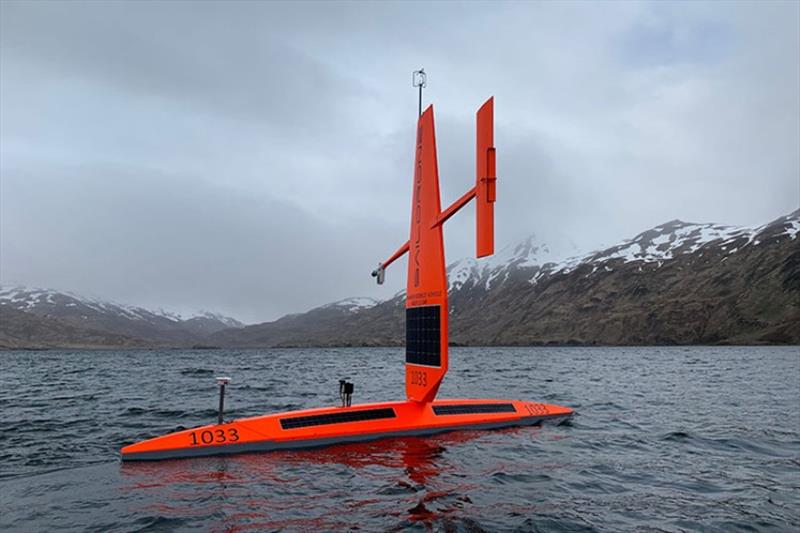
337, 418
474, 409
423, 335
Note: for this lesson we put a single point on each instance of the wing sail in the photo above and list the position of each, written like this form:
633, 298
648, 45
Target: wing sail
426, 289
426, 285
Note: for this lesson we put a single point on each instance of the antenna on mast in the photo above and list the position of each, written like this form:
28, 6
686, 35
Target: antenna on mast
419, 79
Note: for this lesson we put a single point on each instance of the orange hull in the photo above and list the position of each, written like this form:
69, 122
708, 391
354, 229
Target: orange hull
326, 426
427, 342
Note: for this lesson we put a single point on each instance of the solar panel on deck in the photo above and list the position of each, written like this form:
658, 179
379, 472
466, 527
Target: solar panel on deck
474, 409
423, 335
336, 418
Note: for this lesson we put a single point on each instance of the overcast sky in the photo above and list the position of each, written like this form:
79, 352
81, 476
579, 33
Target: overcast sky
255, 158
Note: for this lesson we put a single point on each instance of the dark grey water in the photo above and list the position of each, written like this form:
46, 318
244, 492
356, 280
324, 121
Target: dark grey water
666, 439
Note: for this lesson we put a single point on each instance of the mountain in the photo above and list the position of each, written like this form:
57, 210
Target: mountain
80, 321
329, 325
207, 323
677, 283
24, 330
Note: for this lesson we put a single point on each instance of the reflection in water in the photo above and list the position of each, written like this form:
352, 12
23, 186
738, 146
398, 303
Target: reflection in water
290, 489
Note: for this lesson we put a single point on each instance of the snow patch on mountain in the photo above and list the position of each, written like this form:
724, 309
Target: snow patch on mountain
657, 245
675, 238
356, 303
33, 299
224, 320
529, 253
20, 298
792, 224
461, 271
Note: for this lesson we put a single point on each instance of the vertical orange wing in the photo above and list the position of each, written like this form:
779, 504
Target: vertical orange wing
426, 290
485, 179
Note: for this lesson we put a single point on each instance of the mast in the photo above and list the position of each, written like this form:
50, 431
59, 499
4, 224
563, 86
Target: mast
426, 285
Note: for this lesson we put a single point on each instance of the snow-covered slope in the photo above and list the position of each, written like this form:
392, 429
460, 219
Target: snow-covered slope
356, 303
675, 238
530, 253
103, 315
228, 322
39, 301
206, 323
677, 283
657, 245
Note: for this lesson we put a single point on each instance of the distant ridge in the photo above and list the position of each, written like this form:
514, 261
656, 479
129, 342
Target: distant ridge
677, 283
35, 318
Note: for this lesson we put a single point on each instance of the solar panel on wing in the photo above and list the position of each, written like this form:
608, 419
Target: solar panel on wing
423, 335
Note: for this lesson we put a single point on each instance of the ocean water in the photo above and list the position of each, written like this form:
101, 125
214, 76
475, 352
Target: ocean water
665, 439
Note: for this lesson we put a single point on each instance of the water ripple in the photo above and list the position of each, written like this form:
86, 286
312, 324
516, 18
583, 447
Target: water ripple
666, 439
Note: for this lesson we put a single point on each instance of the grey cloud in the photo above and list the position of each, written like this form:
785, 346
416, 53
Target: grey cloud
255, 157
154, 240
193, 60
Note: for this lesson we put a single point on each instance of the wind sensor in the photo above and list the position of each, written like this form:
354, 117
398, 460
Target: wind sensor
426, 353
419, 79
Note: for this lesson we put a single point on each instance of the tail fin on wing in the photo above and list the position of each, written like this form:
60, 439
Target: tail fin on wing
485, 180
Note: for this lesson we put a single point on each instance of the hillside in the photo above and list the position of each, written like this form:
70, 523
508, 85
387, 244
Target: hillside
677, 283
24, 330
34, 317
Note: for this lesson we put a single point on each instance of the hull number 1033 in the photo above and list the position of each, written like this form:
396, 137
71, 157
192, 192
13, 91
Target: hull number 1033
419, 377
210, 436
